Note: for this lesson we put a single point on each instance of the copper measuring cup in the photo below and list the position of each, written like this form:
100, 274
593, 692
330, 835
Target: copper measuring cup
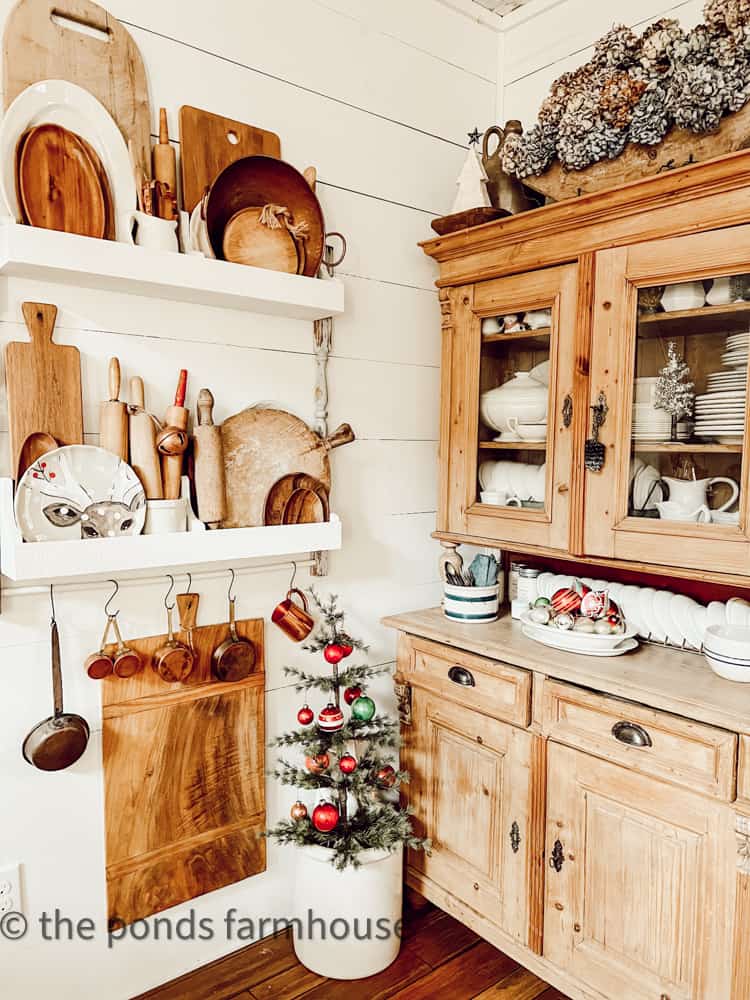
123, 660
234, 658
173, 661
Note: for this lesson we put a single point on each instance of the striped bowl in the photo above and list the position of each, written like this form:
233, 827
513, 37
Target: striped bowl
471, 605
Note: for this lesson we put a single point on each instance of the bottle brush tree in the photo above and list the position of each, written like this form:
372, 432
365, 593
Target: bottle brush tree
344, 754
674, 393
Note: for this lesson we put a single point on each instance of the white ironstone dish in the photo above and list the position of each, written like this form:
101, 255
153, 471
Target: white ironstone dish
79, 491
579, 642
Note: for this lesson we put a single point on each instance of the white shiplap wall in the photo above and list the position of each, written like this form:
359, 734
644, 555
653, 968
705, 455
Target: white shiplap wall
379, 97
550, 37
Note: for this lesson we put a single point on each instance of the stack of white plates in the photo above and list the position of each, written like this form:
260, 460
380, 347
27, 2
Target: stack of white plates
720, 412
650, 424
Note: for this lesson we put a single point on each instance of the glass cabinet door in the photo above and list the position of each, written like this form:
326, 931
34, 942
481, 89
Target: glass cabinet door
511, 400
671, 345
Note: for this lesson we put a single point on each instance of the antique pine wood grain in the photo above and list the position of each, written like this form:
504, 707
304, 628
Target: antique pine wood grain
36, 48
743, 771
439, 957
741, 957
198, 749
697, 198
581, 414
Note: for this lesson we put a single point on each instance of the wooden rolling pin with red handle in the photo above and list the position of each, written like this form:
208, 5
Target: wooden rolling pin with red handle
208, 453
173, 441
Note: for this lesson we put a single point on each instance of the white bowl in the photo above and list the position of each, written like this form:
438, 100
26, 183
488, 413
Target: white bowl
728, 641
730, 670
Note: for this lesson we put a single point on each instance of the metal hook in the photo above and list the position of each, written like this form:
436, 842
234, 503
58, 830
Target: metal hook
52, 601
167, 605
294, 574
190, 582
230, 595
107, 612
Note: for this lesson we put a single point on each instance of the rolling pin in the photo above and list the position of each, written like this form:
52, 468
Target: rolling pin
208, 455
113, 416
173, 440
164, 162
143, 454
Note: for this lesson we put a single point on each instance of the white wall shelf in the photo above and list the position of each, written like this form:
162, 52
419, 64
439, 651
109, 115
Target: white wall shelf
58, 561
26, 252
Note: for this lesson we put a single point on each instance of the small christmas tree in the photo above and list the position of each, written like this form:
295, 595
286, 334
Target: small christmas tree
673, 392
346, 759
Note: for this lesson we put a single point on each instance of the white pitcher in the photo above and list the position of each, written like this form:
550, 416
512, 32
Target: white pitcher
692, 494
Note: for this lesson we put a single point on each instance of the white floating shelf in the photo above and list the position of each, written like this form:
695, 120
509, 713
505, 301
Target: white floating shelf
58, 561
26, 252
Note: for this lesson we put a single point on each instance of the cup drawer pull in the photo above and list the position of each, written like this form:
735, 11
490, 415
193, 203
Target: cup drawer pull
462, 676
631, 734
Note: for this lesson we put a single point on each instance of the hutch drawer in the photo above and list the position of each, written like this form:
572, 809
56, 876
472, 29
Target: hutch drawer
697, 756
488, 686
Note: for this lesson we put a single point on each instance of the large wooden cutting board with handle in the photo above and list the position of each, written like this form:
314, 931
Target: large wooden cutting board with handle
41, 42
43, 381
261, 446
209, 143
184, 778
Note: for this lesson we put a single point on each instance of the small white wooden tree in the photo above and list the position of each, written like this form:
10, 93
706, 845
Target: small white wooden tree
471, 184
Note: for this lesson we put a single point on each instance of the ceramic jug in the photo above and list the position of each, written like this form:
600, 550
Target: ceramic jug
691, 494
671, 511
505, 192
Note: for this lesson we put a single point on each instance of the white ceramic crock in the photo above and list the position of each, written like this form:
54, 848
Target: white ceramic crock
687, 295
328, 902
165, 517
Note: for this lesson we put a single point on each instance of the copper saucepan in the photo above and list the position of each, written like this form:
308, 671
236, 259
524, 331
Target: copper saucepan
61, 739
234, 659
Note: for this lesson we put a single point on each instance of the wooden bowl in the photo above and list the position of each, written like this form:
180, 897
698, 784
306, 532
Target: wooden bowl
247, 241
262, 180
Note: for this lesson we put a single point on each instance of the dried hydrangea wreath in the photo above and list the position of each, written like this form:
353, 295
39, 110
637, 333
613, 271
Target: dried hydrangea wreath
634, 89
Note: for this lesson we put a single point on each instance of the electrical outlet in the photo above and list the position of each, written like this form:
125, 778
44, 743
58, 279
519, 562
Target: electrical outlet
10, 889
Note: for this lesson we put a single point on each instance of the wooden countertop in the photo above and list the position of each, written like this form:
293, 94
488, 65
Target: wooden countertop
682, 683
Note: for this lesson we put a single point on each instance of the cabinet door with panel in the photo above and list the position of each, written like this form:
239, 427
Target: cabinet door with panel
640, 883
673, 491
509, 383
470, 788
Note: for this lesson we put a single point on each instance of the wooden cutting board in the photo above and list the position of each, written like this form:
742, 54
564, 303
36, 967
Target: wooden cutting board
260, 447
209, 143
36, 47
59, 183
183, 777
43, 382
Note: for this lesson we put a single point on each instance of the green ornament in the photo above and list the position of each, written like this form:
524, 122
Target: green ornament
542, 602
363, 708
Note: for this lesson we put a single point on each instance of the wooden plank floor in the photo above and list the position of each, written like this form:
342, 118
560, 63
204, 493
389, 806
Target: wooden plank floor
440, 958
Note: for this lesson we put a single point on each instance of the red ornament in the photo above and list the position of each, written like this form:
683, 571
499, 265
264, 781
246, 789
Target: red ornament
346, 644
325, 817
386, 776
596, 604
330, 718
566, 601
334, 653
351, 694
298, 811
305, 715
347, 763
317, 764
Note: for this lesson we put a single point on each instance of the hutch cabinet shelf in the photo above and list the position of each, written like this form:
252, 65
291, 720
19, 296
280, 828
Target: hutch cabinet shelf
513, 445
534, 338
27, 252
685, 448
707, 319
57, 561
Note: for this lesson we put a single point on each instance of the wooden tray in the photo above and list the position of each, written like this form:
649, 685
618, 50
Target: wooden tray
184, 779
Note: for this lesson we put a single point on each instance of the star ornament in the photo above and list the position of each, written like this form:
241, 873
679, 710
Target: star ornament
474, 136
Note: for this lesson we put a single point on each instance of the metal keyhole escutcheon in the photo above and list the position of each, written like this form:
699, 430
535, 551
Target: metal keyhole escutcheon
558, 857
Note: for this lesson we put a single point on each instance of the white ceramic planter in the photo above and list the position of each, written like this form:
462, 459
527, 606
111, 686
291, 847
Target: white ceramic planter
349, 921
471, 605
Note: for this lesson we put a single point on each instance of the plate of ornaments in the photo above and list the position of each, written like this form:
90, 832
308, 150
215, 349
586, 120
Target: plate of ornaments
579, 620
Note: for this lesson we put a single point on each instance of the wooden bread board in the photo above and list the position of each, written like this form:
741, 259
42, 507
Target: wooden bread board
207, 146
184, 776
262, 445
43, 382
36, 47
